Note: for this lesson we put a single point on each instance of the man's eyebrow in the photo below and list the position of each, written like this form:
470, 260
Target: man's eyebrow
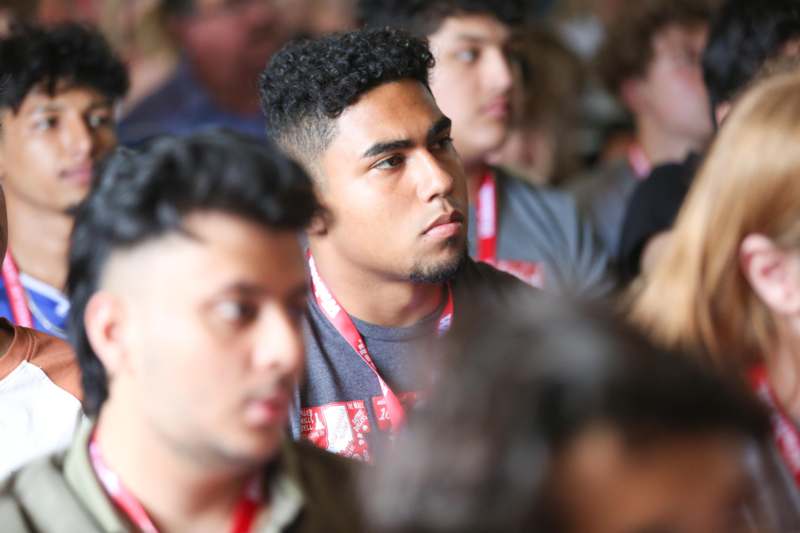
48, 107
243, 288
440, 126
388, 146
472, 37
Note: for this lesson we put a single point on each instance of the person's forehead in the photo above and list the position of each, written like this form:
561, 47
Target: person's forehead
483, 29
221, 249
393, 111
653, 480
205, 6
63, 97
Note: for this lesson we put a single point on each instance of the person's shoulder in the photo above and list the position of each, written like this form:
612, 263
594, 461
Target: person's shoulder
12, 516
54, 356
481, 278
668, 177
24, 493
604, 176
312, 458
536, 200
329, 485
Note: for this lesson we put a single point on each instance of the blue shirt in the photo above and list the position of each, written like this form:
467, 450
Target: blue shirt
48, 306
180, 107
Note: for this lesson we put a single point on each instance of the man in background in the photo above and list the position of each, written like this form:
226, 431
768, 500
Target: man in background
744, 38
225, 45
57, 115
533, 233
188, 383
651, 61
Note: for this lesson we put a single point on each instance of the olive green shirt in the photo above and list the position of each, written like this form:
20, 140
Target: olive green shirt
310, 491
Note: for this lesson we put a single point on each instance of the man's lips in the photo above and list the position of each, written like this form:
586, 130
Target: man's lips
81, 174
498, 108
267, 410
446, 225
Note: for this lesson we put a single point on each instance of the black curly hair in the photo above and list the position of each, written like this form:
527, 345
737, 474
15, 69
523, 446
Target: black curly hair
34, 57
424, 17
523, 380
743, 37
308, 84
140, 196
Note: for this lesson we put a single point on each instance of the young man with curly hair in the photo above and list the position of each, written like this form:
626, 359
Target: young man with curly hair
651, 62
533, 233
387, 258
56, 121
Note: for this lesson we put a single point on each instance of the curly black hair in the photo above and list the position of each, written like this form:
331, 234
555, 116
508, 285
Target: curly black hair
521, 381
424, 17
139, 196
743, 37
308, 84
34, 57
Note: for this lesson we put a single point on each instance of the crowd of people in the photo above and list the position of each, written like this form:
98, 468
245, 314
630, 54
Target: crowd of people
355, 265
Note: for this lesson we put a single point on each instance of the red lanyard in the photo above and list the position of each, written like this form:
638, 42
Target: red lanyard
786, 436
16, 293
639, 161
344, 325
243, 518
486, 218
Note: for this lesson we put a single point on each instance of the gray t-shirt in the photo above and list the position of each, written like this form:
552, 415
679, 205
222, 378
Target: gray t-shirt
339, 407
543, 240
603, 196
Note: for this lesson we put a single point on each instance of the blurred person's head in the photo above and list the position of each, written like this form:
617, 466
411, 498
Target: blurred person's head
728, 283
54, 12
228, 42
541, 145
473, 77
57, 96
550, 417
356, 110
743, 37
187, 287
330, 16
135, 27
16, 11
651, 60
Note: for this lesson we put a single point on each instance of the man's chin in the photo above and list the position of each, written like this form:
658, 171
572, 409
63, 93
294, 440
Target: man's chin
441, 271
253, 450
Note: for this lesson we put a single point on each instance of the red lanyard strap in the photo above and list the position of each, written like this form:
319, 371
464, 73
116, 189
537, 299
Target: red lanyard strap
785, 433
344, 325
243, 518
16, 293
486, 218
639, 161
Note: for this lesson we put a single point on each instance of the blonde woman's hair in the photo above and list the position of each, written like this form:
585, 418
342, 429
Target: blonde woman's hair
697, 297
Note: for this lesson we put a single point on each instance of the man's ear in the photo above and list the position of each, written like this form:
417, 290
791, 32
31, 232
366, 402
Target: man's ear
721, 112
102, 320
320, 223
772, 272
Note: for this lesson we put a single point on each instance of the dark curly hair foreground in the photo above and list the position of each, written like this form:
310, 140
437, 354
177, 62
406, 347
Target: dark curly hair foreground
424, 17
34, 57
309, 83
522, 381
141, 196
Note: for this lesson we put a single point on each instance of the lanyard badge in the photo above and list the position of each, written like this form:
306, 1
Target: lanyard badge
785, 433
243, 518
16, 293
347, 329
